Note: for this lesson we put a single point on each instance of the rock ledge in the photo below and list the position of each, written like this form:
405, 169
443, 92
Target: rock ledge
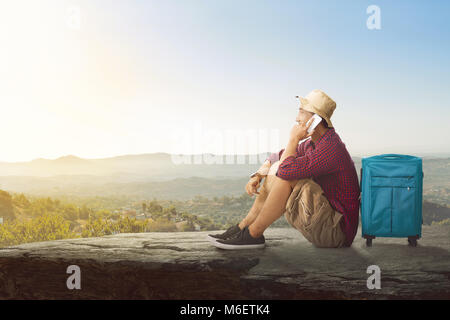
184, 265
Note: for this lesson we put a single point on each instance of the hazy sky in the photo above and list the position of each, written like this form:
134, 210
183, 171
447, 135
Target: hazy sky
130, 77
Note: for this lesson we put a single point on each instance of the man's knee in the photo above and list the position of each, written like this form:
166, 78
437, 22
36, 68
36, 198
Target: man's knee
292, 183
275, 179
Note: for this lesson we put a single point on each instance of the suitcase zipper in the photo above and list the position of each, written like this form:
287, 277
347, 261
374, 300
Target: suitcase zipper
409, 177
392, 196
390, 187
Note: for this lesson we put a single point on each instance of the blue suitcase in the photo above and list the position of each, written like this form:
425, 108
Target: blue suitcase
391, 197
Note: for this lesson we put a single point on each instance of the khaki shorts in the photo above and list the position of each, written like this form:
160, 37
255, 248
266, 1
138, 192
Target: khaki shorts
310, 212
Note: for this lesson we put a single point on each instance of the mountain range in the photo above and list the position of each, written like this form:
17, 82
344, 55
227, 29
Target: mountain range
161, 175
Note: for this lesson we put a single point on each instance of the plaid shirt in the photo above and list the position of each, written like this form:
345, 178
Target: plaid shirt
329, 164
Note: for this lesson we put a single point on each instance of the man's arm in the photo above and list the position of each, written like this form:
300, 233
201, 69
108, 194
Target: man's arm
317, 162
276, 156
291, 149
264, 169
253, 184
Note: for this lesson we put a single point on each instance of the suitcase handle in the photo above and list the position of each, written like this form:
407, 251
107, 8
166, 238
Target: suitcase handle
393, 156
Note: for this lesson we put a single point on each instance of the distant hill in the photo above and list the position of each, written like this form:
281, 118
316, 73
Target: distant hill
164, 166
141, 167
158, 175
107, 186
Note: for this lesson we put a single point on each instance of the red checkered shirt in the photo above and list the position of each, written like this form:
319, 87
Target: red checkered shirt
329, 164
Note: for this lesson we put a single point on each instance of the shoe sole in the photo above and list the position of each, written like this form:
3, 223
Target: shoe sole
212, 239
238, 246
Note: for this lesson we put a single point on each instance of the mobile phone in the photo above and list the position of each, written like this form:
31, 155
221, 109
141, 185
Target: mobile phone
316, 120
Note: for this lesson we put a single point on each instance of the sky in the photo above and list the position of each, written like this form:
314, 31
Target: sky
97, 79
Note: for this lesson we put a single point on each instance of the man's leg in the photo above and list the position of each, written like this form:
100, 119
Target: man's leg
259, 202
273, 207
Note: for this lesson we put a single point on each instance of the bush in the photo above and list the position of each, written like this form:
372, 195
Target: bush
6, 206
97, 227
161, 225
188, 227
44, 228
445, 222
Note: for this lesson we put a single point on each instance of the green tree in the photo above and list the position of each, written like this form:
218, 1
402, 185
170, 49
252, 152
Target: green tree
21, 201
70, 212
84, 212
6, 206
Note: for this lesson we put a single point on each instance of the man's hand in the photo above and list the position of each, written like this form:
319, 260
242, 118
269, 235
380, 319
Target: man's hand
252, 185
300, 131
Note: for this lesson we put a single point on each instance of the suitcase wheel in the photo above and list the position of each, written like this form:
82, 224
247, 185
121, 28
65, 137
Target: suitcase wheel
412, 242
369, 239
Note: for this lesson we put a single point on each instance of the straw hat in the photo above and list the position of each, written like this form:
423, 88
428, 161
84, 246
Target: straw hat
320, 103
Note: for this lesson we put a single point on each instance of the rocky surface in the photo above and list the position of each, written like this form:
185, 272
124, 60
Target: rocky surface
184, 265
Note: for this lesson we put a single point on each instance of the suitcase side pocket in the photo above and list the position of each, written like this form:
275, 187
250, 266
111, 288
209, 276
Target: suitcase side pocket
380, 210
393, 205
404, 218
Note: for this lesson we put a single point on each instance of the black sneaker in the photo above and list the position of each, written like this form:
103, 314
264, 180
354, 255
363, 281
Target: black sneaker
243, 240
231, 231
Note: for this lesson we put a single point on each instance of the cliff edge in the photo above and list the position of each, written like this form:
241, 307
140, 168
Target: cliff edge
184, 265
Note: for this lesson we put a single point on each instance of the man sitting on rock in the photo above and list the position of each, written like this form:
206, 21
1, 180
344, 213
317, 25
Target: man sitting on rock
314, 184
